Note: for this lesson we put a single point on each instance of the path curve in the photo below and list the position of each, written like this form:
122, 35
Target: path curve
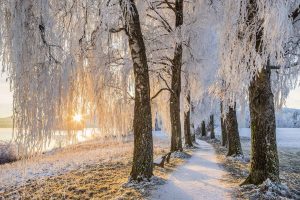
200, 178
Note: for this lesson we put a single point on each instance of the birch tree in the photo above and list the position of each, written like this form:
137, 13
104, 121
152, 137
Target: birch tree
142, 123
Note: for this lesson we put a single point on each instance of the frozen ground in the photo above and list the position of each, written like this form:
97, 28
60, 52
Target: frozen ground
95, 169
289, 162
200, 178
74, 157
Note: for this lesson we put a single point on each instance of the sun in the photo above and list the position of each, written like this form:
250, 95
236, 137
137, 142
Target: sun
77, 117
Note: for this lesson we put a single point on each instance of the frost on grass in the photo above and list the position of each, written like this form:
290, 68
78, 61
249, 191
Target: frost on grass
239, 169
268, 190
145, 185
93, 169
180, 154
239, 158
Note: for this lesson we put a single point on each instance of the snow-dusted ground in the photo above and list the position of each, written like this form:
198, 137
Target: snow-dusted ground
200, 178
73, 157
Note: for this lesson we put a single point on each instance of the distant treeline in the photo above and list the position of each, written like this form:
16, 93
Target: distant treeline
6, 122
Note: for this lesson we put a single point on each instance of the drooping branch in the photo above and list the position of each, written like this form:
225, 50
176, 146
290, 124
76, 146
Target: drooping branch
161, 90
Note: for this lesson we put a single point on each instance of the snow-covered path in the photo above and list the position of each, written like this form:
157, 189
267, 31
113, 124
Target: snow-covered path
200, 178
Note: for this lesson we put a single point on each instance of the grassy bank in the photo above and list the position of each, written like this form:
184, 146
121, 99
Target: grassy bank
90, 170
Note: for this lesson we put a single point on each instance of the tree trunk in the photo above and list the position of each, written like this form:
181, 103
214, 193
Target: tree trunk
193, 125
223, 127
234, 143
264, 157
187, 124
212, 127
176, 142
142, 166
203, 129
193, 133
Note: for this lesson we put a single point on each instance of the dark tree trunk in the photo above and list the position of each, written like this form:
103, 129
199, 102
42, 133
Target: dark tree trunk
223, 127
176, 141
142, 166
193, 134
264, 155
193, 126
187, 124
234, 143
203, 129
212, 127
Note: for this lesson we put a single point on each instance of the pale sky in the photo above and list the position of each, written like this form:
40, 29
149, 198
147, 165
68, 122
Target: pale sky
5, 98
293, 100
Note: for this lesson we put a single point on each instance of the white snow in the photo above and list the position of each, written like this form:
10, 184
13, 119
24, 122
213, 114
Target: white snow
200, 178
286, 137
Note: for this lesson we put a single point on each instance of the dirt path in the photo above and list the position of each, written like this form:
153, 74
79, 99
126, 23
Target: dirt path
200, 178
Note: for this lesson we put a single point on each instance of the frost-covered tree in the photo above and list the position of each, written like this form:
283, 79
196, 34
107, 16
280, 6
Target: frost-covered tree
66, 57
142, 122
188, 139
223, 127
33, 53
198, 60
254, 39
167, 17
212, 127
232, 132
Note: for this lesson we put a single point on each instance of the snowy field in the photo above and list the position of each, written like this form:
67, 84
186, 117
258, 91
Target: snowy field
288, 147
5, 134
286, 137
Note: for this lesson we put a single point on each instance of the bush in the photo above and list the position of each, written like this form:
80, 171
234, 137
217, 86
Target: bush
7, 153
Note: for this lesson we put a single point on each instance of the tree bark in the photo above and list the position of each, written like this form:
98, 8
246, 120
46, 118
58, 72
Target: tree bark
203, 129
223, 127
176, 141
187, 124
193, 133
142, 166
234, 143
264, 155
212, 127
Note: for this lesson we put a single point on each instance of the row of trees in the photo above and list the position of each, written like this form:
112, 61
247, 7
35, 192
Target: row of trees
124, 60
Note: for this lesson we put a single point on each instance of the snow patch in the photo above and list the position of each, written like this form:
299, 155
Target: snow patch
268, 190
180, 154
239, 158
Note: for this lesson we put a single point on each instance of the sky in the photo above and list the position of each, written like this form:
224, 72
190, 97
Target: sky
5, 98
293, 101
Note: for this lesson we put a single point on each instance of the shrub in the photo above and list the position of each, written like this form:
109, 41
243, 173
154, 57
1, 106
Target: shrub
7, 153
